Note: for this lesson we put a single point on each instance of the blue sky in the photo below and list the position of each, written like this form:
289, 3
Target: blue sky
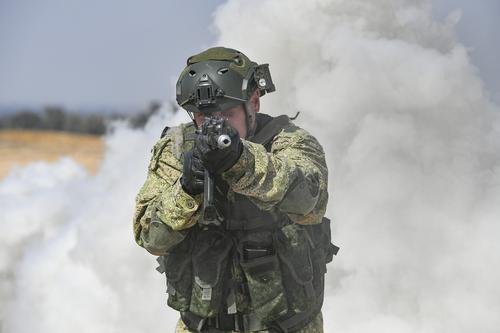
121, 54
479, 29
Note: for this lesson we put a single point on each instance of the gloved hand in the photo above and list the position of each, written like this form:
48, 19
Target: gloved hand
215, 159
193, 174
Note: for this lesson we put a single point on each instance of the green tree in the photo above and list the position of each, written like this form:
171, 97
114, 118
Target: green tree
26, 120
55, 118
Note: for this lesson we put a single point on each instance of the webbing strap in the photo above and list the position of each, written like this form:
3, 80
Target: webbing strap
227, 322
192, 321
299, 320
164, 132
270, 130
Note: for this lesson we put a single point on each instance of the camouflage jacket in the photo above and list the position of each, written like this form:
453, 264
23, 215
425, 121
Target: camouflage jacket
279, 177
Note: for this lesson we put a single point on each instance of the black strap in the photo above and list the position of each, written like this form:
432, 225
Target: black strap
270, 130
189, 136
164, 132
299, 320
192, 321
334, 249
236, 322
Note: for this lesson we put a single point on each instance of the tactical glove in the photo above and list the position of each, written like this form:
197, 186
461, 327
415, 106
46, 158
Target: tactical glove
193, 174
216, 159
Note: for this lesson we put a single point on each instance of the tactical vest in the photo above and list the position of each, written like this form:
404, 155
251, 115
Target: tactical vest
278, 265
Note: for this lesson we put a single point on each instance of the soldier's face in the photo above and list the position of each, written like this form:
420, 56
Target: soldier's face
234, 116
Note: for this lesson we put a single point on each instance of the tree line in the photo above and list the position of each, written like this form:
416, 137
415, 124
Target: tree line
55, 118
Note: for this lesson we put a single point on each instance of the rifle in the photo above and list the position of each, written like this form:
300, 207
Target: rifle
212, 129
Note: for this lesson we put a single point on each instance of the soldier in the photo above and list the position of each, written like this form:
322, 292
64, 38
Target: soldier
234, 206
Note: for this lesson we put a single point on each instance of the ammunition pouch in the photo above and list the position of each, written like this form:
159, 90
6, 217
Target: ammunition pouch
322, 248
285, 277
177, 266
210, 271
293, 247
304, 251
160, 238
284, 274
261, 267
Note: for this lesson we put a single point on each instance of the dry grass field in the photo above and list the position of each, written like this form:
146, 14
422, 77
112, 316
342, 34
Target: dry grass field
20, 147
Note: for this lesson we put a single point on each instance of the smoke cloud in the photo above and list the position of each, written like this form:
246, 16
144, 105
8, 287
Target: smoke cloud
68, 259
413, 148
412, 142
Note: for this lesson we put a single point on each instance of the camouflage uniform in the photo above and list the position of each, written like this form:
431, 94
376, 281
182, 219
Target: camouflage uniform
265, 177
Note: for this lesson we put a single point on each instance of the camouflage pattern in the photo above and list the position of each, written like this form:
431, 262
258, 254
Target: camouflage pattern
224, 54
266, 292
162, 191
315, 326
264, 177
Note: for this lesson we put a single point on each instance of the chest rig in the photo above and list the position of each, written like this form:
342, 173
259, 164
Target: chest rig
257, 271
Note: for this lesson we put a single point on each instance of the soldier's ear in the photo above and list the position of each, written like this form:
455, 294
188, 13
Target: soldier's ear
255, 101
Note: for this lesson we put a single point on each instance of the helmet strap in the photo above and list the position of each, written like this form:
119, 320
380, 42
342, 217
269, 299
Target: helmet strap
249, 119
191, 115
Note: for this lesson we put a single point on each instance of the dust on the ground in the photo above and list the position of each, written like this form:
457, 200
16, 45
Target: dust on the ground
20, 147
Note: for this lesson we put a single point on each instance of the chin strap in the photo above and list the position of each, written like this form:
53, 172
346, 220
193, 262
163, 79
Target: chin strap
191, 116
250, 120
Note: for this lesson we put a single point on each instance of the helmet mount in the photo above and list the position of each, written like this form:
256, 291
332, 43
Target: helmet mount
206, 92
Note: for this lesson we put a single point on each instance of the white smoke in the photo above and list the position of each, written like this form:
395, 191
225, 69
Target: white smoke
412, 143
68, 259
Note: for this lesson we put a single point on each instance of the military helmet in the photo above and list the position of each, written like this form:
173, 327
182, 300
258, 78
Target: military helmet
220, 78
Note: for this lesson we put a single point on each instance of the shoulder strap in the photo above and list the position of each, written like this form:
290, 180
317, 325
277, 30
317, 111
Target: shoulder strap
270, 130
164, 132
